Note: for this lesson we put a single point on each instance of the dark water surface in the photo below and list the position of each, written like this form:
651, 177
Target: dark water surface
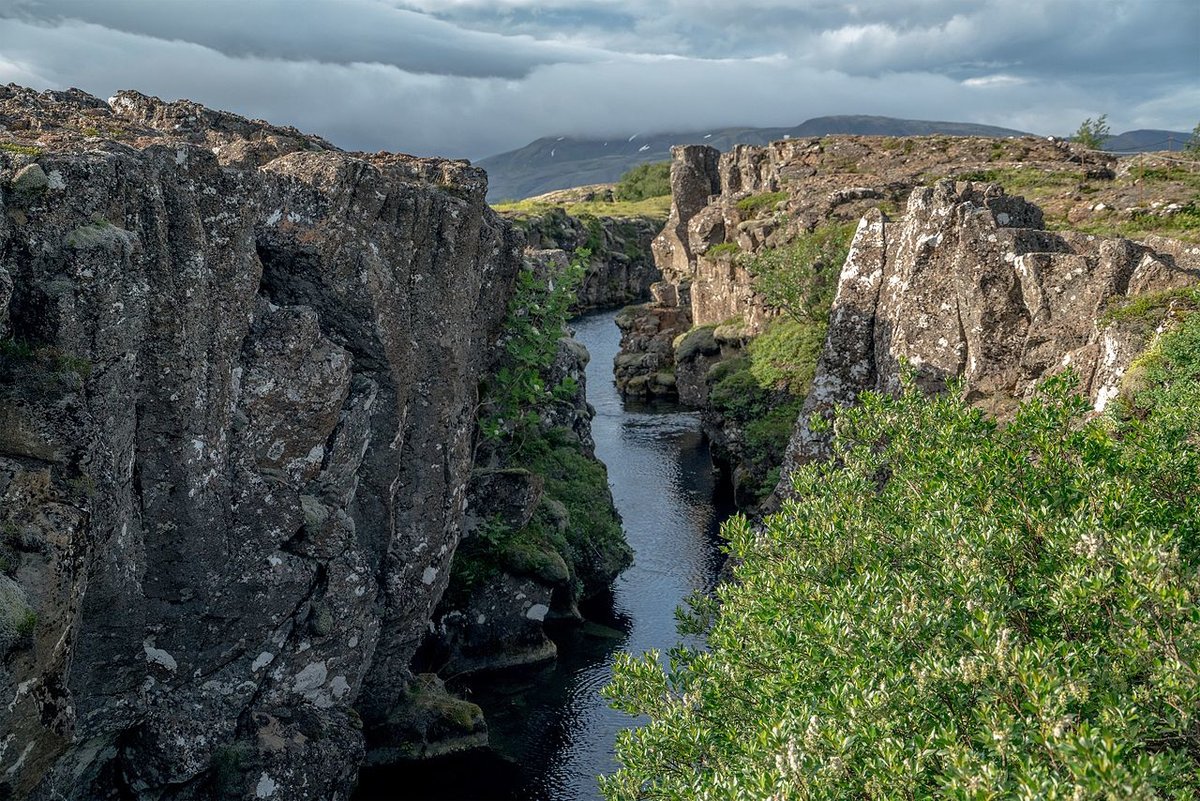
551, 732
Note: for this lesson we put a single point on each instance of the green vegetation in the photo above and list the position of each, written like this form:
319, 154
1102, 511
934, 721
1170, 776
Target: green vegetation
723, 249
47, 357
655, 208
760, 394
1093, 133
573, 538
756, 203
1149, 310
785, 355
27, 626
1030, 181
801, 277
952, 608
1048, 188
1184, 224
537, 314
644, 181
1193, 144
20, 150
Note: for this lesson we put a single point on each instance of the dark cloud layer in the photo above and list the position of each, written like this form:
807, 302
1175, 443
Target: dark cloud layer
474, 77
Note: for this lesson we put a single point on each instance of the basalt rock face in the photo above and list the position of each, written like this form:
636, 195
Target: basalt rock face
968, 286
753, 198
620, 269
236, 405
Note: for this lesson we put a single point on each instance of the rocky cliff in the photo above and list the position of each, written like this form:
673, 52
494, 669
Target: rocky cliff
620, 267
968, 285
237, 380
744, 220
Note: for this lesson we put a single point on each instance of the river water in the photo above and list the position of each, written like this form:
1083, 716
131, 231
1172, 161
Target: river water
551, 732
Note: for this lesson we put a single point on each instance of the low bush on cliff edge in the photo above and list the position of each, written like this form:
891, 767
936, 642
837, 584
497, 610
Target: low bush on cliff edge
800, 278
957, 610
644, 181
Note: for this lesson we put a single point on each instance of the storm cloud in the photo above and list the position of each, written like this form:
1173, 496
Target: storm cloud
470, 78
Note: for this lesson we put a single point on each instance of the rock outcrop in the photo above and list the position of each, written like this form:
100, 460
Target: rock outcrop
754, 198
968, 285
620, 269
237, 380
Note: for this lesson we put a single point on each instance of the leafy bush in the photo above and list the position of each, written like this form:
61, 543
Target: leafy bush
800, 278
537, 314
644, 181
1093, 133
954, 609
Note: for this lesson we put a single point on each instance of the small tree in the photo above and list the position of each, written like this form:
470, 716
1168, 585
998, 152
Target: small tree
1092, 133
1193, 144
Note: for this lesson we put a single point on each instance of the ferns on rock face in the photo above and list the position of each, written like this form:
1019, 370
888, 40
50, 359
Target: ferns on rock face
958, 609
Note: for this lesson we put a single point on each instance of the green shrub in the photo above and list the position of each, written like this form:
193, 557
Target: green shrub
756, 203
644, 181
800, 278
952, 609
785, 355
537, 314
1093, 133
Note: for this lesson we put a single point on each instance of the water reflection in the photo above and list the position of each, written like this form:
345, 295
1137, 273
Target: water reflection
551, 732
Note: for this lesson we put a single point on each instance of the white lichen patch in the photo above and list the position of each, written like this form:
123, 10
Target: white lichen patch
55, 180
429, 576
537, 612
266, 786
309, 680
157, 656
262, 660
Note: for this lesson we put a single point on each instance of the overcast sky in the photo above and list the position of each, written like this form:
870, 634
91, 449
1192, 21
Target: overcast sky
469, 78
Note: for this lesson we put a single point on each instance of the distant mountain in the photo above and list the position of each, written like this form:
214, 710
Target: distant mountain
1144, 140
566, 161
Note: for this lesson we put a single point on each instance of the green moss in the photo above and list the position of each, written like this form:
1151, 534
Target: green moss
785, 355
228, 765
46, 356
726, 249
21, 150
27, 625
1148, 310
574, 535
697, 341
756, 203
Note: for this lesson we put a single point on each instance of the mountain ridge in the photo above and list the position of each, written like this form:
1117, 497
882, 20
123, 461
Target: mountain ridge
563, 162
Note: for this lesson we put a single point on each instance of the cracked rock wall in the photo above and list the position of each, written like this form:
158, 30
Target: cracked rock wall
236, 399
967, 284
